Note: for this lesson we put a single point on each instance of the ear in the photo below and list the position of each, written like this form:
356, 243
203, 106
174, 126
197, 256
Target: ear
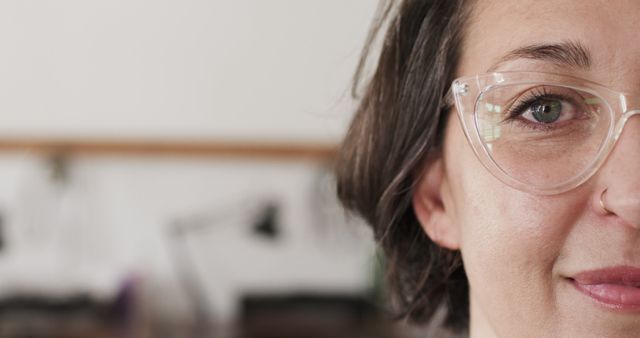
431, 204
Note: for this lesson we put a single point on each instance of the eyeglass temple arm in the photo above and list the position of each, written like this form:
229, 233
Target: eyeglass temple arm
448, 101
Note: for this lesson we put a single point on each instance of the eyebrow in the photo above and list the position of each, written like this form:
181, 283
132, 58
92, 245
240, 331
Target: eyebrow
563, 54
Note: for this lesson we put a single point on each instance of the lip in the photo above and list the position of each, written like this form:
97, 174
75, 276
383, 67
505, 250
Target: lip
617, 288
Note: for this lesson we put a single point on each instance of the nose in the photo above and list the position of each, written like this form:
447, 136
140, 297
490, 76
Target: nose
620, 175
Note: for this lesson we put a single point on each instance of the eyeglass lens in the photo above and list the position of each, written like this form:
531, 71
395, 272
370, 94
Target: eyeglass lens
542, 135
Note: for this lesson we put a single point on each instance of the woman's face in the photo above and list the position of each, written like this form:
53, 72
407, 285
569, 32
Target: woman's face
522, 252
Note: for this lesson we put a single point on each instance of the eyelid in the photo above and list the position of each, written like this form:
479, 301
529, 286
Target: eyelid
544, 91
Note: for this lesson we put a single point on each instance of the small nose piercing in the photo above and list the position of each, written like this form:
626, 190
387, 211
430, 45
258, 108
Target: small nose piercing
602, 205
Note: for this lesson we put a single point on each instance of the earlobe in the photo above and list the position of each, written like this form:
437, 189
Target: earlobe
431, 210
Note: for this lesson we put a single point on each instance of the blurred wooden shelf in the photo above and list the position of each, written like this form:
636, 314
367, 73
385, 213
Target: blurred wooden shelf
205, 148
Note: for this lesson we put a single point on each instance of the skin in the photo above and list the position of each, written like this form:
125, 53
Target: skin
519, 248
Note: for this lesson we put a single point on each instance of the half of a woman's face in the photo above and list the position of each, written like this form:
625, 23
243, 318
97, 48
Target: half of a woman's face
524, 252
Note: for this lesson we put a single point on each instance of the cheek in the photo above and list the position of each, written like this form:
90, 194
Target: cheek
497, 220
510, 240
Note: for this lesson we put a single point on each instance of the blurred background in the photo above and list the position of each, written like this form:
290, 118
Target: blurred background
165, 170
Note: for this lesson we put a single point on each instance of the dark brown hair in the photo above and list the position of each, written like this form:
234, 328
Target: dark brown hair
399, 124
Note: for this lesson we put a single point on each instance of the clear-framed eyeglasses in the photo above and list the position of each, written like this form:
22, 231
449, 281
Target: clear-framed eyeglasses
539, 132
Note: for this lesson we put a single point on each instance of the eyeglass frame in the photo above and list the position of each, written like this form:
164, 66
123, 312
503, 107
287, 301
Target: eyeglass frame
463, 88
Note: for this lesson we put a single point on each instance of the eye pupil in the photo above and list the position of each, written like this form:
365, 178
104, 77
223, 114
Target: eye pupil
547, 110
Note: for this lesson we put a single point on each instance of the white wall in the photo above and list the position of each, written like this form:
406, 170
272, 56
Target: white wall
233, 69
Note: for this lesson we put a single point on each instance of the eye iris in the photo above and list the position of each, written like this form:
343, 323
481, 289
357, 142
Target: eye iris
546, 111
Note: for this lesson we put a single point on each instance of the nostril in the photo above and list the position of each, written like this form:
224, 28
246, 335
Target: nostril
631, 217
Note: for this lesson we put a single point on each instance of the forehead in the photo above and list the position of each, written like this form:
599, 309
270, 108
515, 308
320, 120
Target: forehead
606, 28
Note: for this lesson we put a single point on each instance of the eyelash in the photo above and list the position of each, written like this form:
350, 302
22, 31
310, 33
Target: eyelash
524, 102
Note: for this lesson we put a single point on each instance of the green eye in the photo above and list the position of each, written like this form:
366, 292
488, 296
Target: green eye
546, 110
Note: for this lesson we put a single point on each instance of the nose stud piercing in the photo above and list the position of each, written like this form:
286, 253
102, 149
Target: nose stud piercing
602, 205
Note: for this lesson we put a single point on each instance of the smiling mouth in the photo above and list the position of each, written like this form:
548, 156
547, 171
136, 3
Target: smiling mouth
616, 288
